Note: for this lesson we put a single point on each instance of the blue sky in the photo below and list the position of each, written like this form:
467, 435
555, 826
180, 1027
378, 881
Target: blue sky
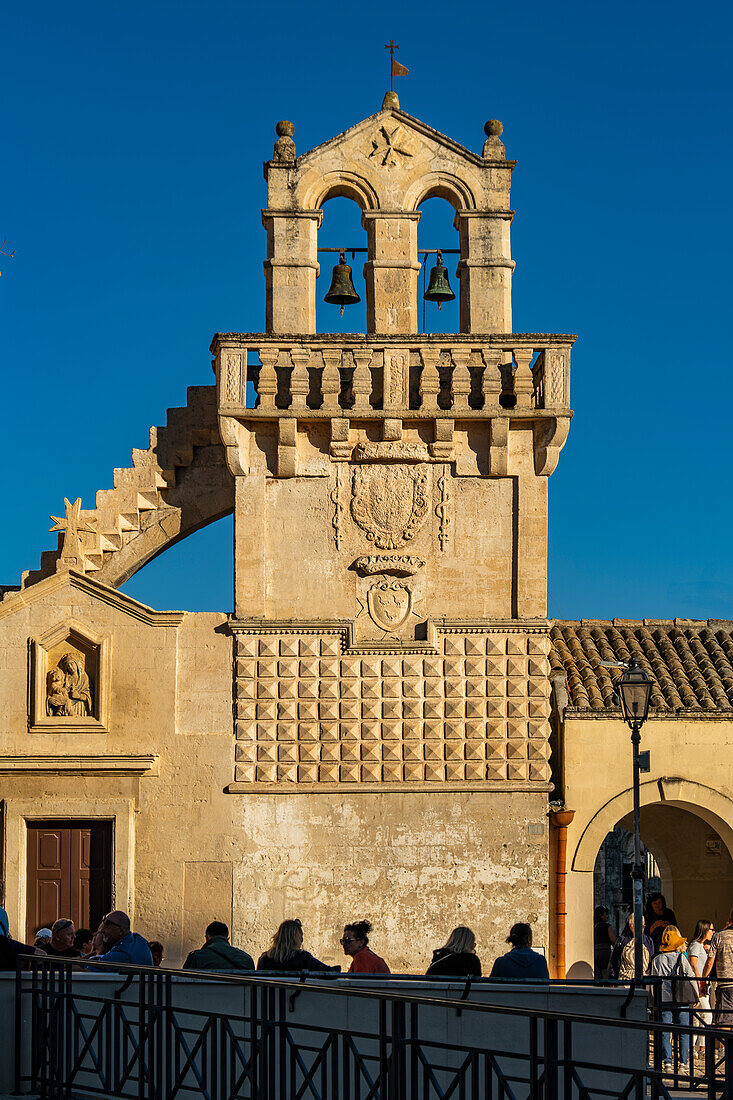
133, 138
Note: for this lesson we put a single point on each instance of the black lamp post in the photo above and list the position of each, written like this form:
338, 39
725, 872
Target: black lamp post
635, 689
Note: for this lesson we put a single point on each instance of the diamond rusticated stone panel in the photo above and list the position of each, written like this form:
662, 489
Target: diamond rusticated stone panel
477, 711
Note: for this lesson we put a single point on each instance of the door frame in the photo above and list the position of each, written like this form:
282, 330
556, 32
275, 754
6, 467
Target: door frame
20, 811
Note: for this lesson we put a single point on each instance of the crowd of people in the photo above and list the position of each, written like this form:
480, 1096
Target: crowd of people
697, 974
115, 942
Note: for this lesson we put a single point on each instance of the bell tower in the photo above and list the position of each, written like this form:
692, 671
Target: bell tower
391, 488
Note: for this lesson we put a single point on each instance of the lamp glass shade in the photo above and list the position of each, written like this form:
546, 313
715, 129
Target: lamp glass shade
635, 689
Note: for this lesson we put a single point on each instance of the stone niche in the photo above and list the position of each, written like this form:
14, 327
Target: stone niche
69, 681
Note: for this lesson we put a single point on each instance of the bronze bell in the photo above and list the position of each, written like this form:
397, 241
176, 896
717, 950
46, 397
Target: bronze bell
342, 292
439, 288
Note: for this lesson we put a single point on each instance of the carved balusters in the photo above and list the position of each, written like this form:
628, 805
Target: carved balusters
491, 381
267, 385
523, 381
429, 379
299, 380
362, 381
461, 379
331, 380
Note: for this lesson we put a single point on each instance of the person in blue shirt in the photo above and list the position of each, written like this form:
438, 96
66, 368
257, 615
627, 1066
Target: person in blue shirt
521, 962
123, 946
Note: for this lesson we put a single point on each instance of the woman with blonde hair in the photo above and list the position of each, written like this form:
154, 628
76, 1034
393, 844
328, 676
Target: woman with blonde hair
457, 958
287, 954
673, 966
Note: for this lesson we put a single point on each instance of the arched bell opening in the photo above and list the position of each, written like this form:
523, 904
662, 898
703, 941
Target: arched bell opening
439, 311
341, 229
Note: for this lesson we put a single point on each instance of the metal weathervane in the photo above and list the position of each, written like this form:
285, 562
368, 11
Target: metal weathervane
395, 69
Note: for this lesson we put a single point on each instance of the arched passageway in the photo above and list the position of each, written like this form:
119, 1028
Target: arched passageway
686, 827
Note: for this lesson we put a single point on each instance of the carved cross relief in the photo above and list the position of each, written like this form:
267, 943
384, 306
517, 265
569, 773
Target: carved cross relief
389, 147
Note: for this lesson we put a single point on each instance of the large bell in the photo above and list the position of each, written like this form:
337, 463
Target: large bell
342, 292
439, 288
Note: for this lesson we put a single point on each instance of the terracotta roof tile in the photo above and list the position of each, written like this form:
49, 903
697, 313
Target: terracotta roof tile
690, 662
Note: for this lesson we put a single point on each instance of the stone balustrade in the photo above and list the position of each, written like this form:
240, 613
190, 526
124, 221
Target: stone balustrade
414, 376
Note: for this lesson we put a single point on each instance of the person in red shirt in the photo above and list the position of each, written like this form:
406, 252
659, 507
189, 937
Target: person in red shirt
354, 942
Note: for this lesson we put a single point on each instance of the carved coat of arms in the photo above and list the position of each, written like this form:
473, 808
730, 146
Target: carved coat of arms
389, 603
390, 502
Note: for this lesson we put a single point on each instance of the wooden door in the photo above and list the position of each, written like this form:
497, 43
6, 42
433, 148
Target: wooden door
69, 873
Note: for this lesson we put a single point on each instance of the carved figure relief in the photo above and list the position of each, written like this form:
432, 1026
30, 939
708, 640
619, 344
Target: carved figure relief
390, 503
68, 690
389, 603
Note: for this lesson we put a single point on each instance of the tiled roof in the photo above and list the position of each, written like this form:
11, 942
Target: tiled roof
690, 662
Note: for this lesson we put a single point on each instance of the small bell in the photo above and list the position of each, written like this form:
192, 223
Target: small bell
342, 292
439, 288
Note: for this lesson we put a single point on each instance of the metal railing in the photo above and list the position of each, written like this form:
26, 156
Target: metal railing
142, 1042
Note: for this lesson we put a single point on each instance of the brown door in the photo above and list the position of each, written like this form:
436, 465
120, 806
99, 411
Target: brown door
69, 873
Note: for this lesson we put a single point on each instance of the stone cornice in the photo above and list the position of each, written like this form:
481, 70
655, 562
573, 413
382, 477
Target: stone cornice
535, 340
33, 764
508, 786
126, 604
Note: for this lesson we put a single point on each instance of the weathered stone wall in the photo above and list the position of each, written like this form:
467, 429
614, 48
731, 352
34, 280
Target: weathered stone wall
187, 852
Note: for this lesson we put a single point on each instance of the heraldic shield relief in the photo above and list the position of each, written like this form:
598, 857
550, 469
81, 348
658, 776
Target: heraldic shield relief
389, 603
390, 502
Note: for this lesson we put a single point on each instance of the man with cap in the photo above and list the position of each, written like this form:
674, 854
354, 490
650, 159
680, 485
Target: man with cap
123, 946
62, 940
42, 938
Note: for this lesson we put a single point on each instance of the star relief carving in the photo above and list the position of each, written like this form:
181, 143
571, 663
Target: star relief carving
387, 147
72, 524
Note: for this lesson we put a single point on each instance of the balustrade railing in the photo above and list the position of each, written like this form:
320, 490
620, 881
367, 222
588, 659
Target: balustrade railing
420, 375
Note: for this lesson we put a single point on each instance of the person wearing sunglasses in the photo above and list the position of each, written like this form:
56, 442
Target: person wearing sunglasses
122, 945
363, 960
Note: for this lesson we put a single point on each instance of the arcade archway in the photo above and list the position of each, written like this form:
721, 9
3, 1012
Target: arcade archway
686, 859
686, 827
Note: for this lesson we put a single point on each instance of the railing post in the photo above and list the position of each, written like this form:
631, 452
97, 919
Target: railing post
534, 1068
551, 1059
398, 1077
727, 1068
17, 1068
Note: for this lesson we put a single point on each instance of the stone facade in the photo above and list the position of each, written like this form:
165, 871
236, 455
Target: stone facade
368, 731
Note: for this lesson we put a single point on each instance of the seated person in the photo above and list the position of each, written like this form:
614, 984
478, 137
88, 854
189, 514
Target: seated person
217, 952
287, 951
521, 962
122, 945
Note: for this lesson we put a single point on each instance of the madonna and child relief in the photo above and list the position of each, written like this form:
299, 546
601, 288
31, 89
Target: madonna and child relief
68, 690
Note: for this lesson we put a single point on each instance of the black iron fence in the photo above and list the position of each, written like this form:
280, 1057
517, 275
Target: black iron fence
158, 1037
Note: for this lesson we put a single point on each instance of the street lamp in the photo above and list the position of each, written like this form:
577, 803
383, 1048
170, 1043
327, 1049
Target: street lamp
635, 689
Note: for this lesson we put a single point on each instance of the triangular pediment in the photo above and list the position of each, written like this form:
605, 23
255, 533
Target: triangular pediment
433, 138
25, 597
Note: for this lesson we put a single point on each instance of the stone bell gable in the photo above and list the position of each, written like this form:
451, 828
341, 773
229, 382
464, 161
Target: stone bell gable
388, 164
391, 487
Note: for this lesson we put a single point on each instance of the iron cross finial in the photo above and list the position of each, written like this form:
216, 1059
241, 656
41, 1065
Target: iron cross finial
391, 47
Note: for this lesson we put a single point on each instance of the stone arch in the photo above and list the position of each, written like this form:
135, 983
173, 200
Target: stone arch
180, 484
711, 806
442, 185
334, 185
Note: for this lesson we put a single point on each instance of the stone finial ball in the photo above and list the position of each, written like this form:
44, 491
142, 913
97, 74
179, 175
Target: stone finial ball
493, 128
285, 128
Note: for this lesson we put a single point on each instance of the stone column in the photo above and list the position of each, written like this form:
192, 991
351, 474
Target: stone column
485, 270
291, 269
391, 271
